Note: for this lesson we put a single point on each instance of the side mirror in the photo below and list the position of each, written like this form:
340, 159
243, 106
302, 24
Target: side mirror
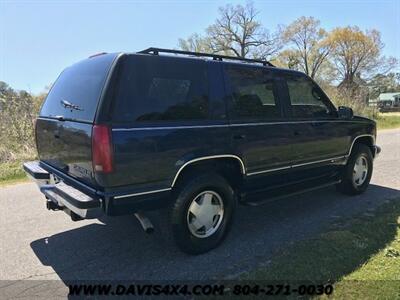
316, 94
345, 112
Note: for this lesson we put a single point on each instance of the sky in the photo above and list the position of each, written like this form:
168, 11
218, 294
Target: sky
38, 39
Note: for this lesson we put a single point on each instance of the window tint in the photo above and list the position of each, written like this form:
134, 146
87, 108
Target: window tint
161, 89
80, 86
307, 100
253, 93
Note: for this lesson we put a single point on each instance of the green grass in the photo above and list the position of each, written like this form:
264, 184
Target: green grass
388, 120
362, 258
11, 172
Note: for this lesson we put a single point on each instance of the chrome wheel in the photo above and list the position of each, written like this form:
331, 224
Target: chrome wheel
360, 170
205, 214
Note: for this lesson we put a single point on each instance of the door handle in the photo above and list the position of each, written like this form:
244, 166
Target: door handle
239, 137
296, 133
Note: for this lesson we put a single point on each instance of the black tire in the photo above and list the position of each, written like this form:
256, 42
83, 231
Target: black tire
179, 215
347, 185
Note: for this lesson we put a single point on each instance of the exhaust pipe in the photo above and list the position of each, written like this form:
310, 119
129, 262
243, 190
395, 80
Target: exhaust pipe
145, 222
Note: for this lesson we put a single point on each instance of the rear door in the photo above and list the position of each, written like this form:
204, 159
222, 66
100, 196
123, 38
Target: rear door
64, 126
259, 133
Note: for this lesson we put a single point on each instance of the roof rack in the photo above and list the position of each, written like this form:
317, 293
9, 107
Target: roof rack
156, 51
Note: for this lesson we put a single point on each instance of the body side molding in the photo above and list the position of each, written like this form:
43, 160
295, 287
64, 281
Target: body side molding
243, 168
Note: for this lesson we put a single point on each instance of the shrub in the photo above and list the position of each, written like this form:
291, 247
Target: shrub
18, 110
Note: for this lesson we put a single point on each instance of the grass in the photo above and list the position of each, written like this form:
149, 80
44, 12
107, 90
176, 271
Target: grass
11, 172
361, 258
388, 120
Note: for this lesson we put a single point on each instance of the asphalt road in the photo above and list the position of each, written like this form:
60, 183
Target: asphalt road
40, 244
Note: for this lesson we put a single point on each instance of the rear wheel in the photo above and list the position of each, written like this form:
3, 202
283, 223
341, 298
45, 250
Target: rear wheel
358, 171
202, 213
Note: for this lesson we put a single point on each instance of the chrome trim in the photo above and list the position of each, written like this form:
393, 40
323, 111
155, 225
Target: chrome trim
142, 193
269, 170
333, 159
292, 122
230, 125
209, 157
171, 127
362, 135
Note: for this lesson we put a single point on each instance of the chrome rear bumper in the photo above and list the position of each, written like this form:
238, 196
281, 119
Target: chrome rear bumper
63, 196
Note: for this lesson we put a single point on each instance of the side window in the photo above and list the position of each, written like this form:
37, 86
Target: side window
307, 100
152, 89
253, 93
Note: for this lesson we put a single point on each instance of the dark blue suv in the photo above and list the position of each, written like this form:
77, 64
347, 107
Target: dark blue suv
198, 133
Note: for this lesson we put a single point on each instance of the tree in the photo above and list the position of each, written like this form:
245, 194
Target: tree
236, 32
287, 59
382, 83
310, 48
356, 53
18, 110
196, 43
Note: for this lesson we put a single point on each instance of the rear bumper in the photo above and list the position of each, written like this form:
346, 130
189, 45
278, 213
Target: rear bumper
62, 195
65, 193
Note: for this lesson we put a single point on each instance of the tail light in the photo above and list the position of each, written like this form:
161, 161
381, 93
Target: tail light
102, 155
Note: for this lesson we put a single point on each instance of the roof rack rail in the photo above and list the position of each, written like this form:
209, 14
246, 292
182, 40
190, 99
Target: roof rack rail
156, 51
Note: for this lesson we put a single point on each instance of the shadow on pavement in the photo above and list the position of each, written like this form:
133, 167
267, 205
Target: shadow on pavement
120, 250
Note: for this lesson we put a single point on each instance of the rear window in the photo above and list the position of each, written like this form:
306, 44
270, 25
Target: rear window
152, 89
77, 90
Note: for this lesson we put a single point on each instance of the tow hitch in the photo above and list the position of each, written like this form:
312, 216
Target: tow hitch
50, 205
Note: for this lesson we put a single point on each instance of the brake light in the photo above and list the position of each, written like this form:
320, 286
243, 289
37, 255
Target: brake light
102, 155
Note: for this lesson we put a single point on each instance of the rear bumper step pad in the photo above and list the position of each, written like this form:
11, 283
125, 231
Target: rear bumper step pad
76, 197
36, 171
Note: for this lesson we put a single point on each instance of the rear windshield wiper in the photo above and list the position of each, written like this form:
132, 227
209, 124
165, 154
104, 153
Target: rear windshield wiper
70, 105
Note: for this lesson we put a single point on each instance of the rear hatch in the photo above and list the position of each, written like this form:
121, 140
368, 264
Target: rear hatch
64, 126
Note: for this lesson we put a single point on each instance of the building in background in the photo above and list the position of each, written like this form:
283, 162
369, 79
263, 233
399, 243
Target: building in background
386, 100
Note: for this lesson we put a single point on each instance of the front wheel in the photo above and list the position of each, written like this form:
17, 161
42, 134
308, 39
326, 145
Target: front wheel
358, 171
202, 213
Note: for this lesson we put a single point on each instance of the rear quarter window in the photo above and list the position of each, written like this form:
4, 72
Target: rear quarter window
153, 89
81, 86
